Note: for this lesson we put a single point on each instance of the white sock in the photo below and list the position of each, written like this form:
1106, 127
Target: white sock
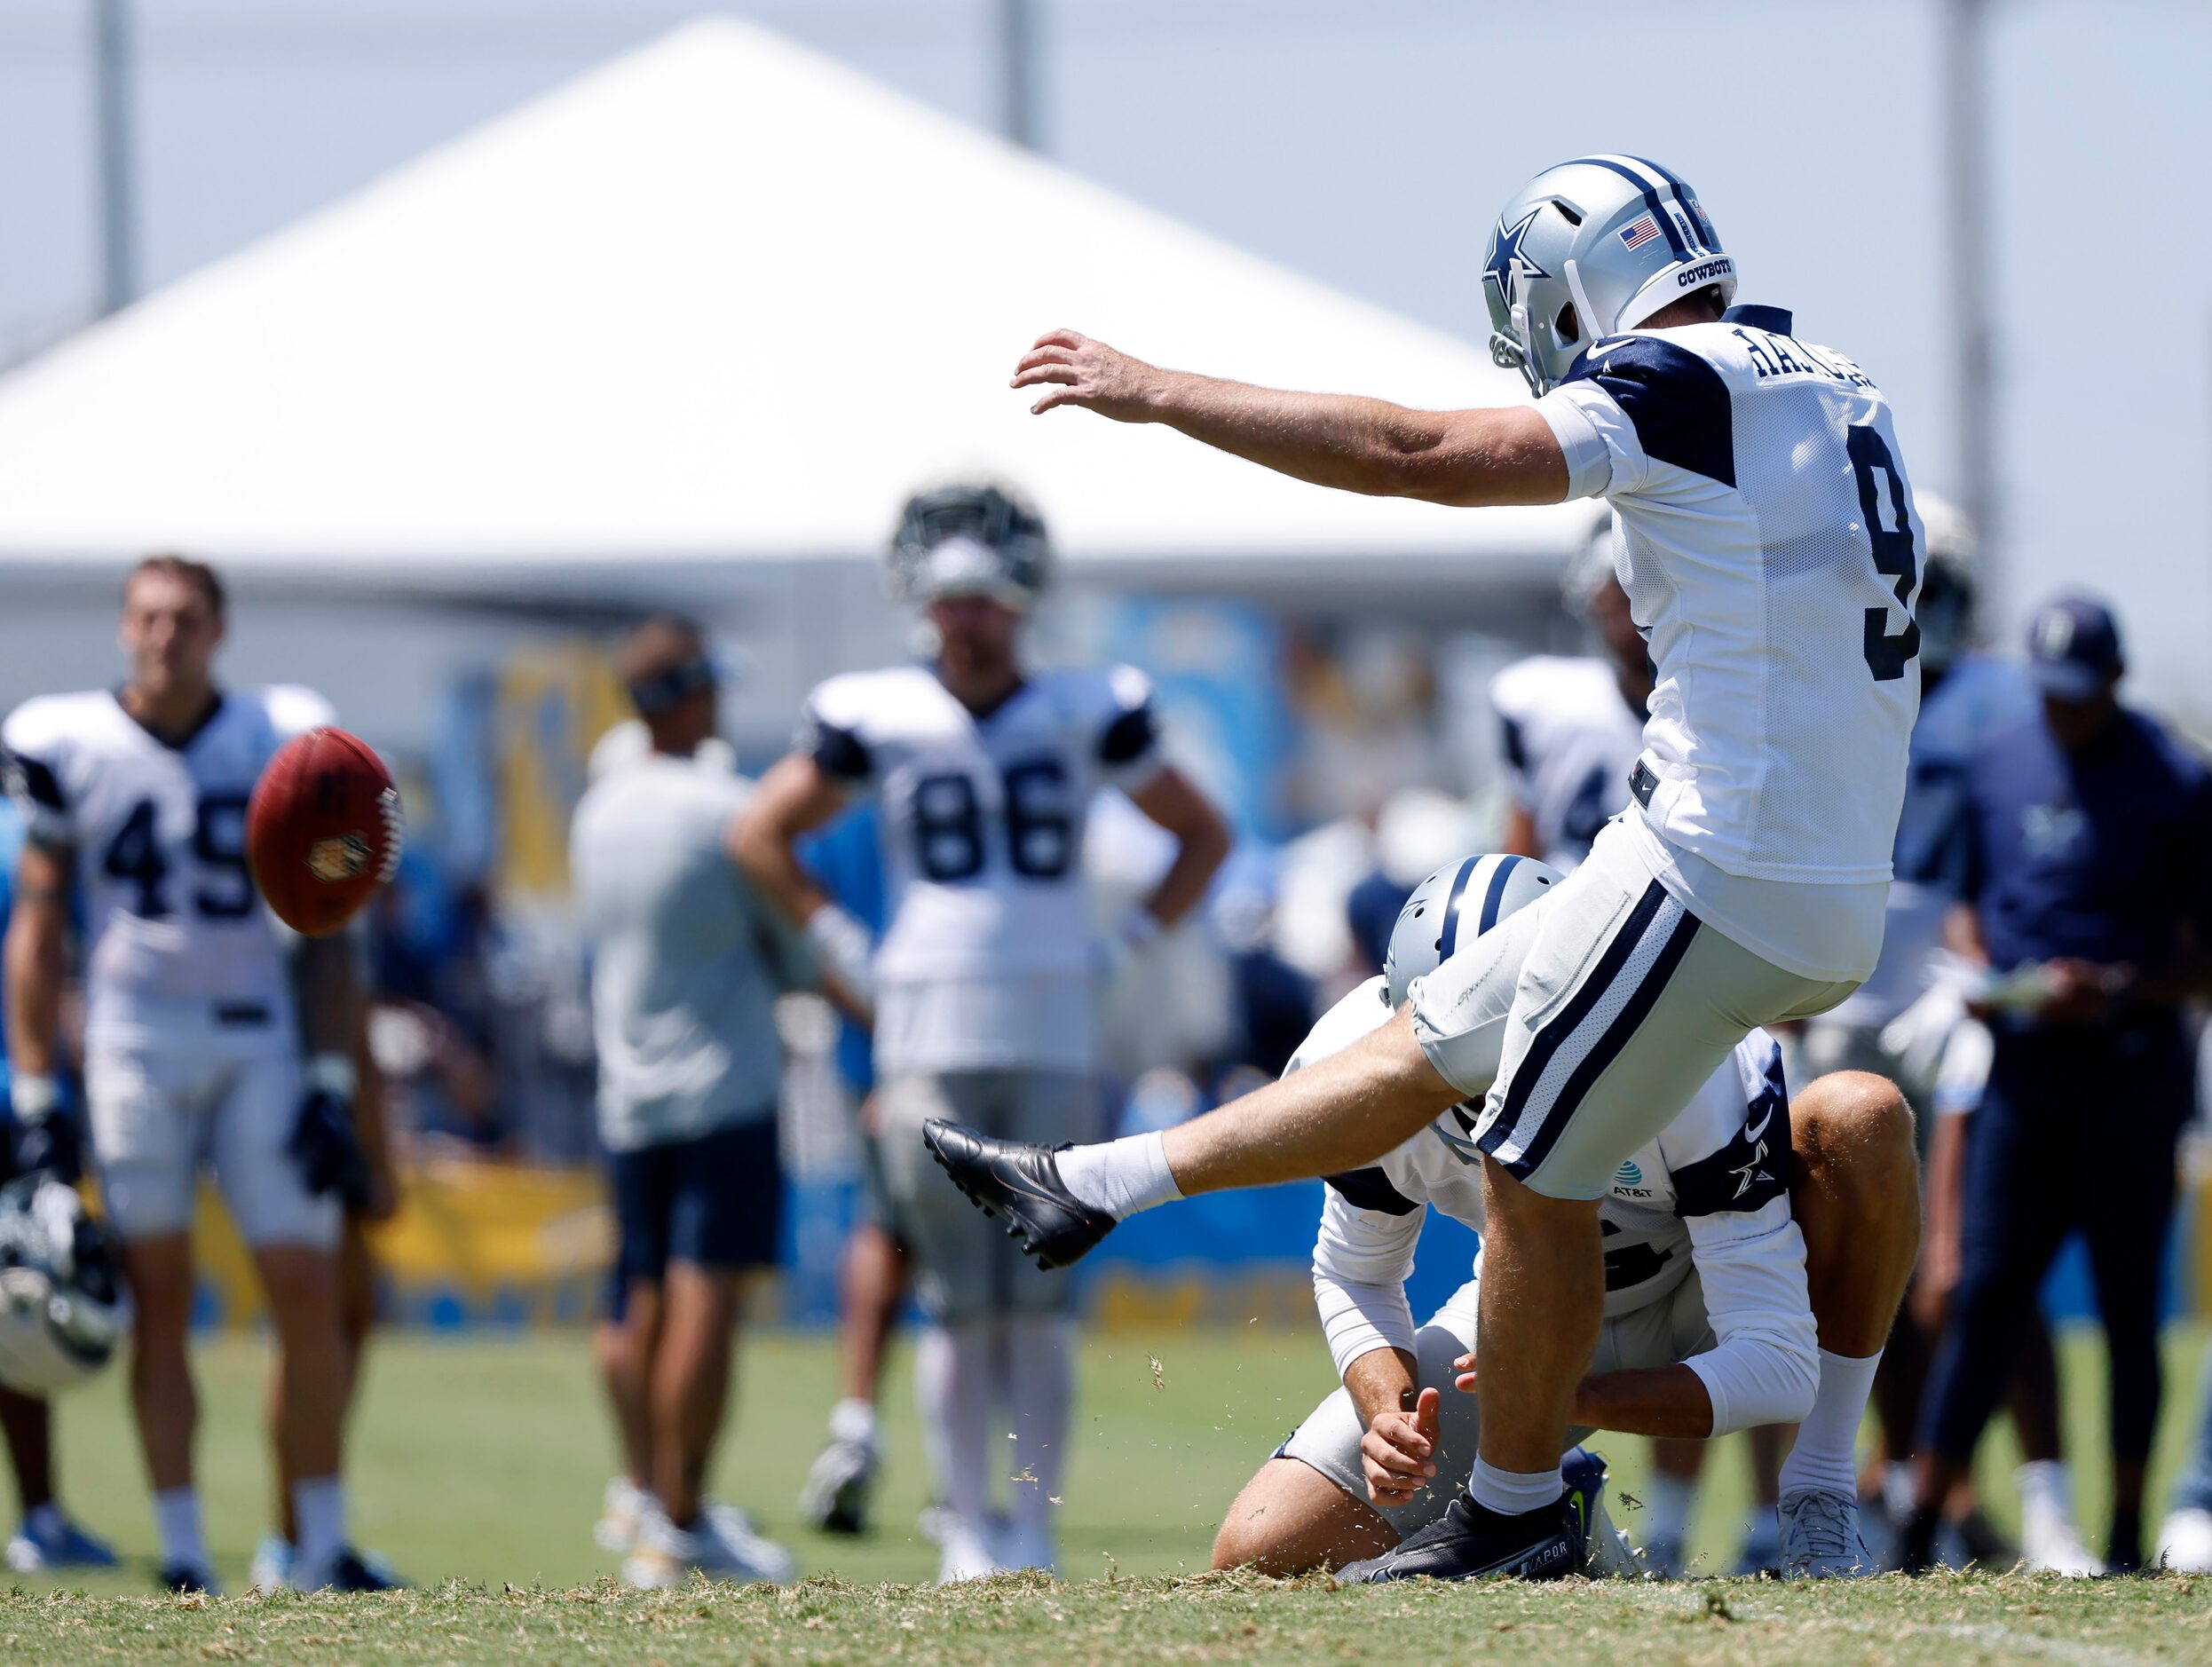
1040, 1350
2046, 1489
853, 1419
176, 1523
952, 1392
1120, 1177
1667, 1500
319, 1506
1825, 1456
1514, 1492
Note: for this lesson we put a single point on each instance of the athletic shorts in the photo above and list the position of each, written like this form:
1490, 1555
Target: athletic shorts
1660, 1333
1585, 1022
715, 1200
967, 1268
157, 1119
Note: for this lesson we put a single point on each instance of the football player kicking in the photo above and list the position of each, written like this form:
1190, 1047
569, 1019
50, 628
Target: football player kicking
1755, 1253
986, 986
193, 1039
1770, 553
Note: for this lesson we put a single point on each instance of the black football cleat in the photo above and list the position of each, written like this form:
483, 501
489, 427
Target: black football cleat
1020, 1184
1468, 1543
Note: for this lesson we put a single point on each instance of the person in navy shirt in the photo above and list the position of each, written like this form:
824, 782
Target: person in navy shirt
2087, 832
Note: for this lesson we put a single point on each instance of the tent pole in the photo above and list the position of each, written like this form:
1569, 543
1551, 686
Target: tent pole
1017, 72
112, 112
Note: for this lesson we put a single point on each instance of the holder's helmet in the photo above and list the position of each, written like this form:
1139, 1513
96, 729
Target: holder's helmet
1456, 905
1616, 238
971, 538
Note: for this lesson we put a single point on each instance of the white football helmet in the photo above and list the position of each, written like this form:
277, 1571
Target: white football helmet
1456, 905
62, 1305
970, 539
1944, 610
1616, 238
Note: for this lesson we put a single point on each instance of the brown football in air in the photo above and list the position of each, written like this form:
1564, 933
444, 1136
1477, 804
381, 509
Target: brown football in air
323, 830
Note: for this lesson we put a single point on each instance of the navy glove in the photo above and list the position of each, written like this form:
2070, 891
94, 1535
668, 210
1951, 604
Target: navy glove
323, 1143
45, 1135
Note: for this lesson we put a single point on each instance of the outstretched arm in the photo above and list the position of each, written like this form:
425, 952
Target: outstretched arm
1506, 455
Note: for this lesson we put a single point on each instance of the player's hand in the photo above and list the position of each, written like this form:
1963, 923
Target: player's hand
1089, 374
1397, 1451
324, 1146
2079, 992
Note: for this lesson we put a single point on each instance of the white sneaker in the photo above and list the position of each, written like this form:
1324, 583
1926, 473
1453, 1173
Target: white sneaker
967, 1552
667, 1554
839, 1487
2049, 1541
2184, 1541
623, 1509
747, 1544
1612, 1555
1819, 1536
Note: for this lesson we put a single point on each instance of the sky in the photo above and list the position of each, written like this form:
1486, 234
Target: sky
1369, 146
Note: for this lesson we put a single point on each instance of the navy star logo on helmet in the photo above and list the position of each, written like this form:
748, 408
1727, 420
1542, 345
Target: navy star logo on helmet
1506, 256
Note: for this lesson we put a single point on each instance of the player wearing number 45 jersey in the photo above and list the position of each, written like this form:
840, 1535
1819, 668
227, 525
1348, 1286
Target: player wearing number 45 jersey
1770, 553
986, 984
192, 1039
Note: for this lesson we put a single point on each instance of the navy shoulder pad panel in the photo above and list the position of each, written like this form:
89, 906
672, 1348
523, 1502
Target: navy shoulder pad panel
1677, 402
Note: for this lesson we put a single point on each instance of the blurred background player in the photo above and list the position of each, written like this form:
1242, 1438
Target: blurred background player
45, 1539
1901, 1022
687, 966
193, 1039
1571, 726
986, 987
872, 1274
2090, 903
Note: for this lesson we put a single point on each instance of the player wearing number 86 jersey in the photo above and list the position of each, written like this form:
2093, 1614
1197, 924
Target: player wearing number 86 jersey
986, 984
988, 958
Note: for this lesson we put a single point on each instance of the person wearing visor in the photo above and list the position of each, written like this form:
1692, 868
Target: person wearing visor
687, 962
987, 983
2088, 899
1771, 554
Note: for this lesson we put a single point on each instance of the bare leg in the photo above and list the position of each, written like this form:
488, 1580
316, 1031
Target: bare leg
309, 1387
689, 1383
1857, 1201
622, 1350
159, 1271
871, 1288
1337, 1114
356, 1316
28, 1425
1543, 1300
1291, 1518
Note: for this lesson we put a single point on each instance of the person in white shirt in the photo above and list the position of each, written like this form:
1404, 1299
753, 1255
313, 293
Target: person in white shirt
687, 962
987, 983
1770, 552
1716, 1235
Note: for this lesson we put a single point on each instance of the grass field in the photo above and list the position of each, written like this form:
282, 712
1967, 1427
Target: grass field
479, 1464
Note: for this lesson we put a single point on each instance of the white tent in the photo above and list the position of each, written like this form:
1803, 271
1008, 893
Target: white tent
720, 301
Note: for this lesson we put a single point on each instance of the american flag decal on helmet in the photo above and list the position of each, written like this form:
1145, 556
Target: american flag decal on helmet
1639, 232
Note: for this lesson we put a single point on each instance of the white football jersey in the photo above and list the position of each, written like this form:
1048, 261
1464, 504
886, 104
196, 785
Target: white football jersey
1772, 556
988, 957
1725, 1153
179, 949
1570, 741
